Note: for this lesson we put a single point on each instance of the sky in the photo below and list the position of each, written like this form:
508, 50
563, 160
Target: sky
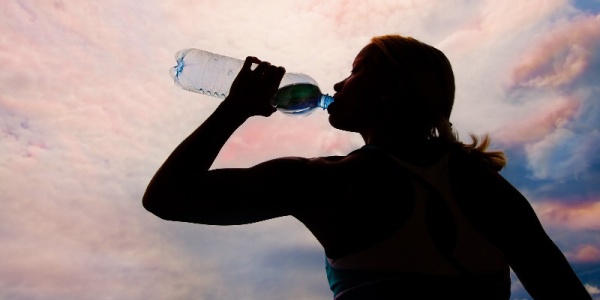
88, 112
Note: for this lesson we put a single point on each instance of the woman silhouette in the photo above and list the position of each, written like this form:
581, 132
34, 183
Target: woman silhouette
413, 214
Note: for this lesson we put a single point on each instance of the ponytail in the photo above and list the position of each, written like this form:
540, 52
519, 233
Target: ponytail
494, 159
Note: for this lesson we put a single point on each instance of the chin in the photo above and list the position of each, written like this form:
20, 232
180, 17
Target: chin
333, 122
340, 124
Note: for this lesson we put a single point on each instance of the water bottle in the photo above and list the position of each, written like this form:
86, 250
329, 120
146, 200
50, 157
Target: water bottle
212, 74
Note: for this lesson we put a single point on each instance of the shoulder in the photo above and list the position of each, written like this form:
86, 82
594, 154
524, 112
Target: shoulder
362, 165
480, 191
359, 160
489, 200
363, 171
366, 172
468, 172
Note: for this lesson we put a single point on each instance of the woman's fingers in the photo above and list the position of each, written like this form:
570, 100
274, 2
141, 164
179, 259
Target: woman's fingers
253, 89
273, 76
248, 63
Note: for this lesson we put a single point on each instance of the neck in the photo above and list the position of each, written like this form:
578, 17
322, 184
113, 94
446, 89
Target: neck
417, 150
395, 139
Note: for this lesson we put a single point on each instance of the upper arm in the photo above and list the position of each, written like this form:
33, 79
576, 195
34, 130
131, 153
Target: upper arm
234, 195
539, 264
506, 218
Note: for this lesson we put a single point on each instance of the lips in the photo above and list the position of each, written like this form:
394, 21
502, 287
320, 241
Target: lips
330, 107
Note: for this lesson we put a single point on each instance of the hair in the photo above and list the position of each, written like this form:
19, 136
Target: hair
427, 81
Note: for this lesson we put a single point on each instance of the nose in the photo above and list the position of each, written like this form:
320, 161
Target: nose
338, 86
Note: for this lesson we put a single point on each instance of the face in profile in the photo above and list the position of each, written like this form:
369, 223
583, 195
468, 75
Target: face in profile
358, 101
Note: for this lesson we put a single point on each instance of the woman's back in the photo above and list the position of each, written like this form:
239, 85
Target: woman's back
409, 228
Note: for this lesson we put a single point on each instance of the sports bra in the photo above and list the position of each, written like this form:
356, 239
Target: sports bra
449, 252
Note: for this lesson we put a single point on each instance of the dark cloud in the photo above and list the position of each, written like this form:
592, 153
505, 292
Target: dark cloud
588, 6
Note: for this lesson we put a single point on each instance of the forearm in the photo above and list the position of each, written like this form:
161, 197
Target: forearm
559, 282
193, 156
183, 178
546, 273
199, 150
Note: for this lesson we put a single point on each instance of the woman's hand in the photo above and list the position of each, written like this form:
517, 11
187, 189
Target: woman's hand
252, 90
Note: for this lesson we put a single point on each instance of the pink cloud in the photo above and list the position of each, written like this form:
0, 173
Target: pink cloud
575, 217
498, 18
545, 119
561, 57
281, 135
81, 245
586, 253
581, 216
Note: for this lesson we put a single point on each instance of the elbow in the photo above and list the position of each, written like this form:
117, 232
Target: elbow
165, 206
149, 204
159, 211
155, 204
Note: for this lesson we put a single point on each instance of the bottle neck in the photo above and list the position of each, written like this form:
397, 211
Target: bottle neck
325, 101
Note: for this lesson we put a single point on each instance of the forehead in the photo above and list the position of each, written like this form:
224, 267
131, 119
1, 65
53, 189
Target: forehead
366, 54
371, 57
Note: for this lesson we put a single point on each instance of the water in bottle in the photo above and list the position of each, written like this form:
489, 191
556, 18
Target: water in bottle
212, 74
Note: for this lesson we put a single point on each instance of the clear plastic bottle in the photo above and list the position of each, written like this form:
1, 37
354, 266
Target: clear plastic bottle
212, 74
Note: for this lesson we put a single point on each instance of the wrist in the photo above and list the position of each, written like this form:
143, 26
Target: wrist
230, 109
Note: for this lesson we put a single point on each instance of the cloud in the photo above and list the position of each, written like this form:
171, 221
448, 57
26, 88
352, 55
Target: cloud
88, 112
580, 216
81, 246
553, 114
559, 154
72, 113
562, 56
587, 253
593, 290
557, 125
492, 19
